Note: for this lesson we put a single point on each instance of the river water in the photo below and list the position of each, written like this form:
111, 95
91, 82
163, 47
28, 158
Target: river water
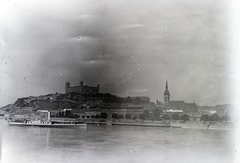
114, 144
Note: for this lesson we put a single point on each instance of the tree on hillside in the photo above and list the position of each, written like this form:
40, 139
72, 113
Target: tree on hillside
97, 116
156, 113
120, 116
142, 116
114, 116
147, 114
137, 101
165, 117
128, 116
103, 115
184, 117
214, 117
134, 117
175, 116
67, 113
204, 117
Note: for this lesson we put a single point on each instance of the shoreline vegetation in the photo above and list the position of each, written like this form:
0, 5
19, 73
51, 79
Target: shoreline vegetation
216, 125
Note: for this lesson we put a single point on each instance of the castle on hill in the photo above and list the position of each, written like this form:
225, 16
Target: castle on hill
81, 89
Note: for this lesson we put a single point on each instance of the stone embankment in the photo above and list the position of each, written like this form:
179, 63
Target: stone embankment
203, 125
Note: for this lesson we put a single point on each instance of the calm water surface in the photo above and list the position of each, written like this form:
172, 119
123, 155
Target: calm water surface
113, 144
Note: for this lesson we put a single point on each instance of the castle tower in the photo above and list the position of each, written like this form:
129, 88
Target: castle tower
166, 95
81, 87
98, 87
67, 85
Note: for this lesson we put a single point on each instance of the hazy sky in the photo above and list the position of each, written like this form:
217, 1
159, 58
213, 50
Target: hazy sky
128, 47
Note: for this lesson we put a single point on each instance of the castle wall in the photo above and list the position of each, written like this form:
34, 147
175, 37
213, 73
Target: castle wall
81, 89
75, 89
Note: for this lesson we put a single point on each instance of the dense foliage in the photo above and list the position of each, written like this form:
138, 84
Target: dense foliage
128, 116
103, 115
204, 117
142, 116
184, 117
165, 117
214, 117
175, 116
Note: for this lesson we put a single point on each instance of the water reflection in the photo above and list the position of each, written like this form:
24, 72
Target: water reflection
114, 144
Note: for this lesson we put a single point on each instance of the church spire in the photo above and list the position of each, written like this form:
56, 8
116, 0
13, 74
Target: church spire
166, 85
166, 94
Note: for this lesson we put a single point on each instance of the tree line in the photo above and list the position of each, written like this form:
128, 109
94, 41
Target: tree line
155, 114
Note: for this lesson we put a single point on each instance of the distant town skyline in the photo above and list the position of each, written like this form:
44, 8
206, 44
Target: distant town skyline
130, 48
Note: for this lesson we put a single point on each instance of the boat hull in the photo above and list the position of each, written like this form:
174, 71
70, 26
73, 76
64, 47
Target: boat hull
45, 124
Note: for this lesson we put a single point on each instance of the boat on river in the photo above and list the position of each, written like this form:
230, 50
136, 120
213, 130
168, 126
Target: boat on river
41, 123
45, 123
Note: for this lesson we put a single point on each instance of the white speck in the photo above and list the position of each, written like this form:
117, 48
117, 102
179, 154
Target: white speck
139, 69
131, 151
91, 61
166, 27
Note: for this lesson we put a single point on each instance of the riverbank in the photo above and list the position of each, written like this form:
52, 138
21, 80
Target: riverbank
128, 122
174, 124
149, 124
203, 125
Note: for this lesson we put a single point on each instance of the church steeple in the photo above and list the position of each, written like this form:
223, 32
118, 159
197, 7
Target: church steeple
166, 85
166, 94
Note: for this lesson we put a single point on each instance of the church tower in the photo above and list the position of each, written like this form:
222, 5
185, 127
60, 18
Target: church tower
166, 95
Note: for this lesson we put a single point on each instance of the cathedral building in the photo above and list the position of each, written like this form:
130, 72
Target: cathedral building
177, 106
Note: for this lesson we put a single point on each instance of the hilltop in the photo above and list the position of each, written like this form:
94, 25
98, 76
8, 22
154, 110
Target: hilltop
58, 102
29, 105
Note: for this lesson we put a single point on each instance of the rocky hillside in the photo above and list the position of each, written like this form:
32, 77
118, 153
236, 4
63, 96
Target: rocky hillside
4, 109
30, 105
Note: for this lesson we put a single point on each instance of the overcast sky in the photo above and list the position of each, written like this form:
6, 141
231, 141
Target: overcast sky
128, 47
